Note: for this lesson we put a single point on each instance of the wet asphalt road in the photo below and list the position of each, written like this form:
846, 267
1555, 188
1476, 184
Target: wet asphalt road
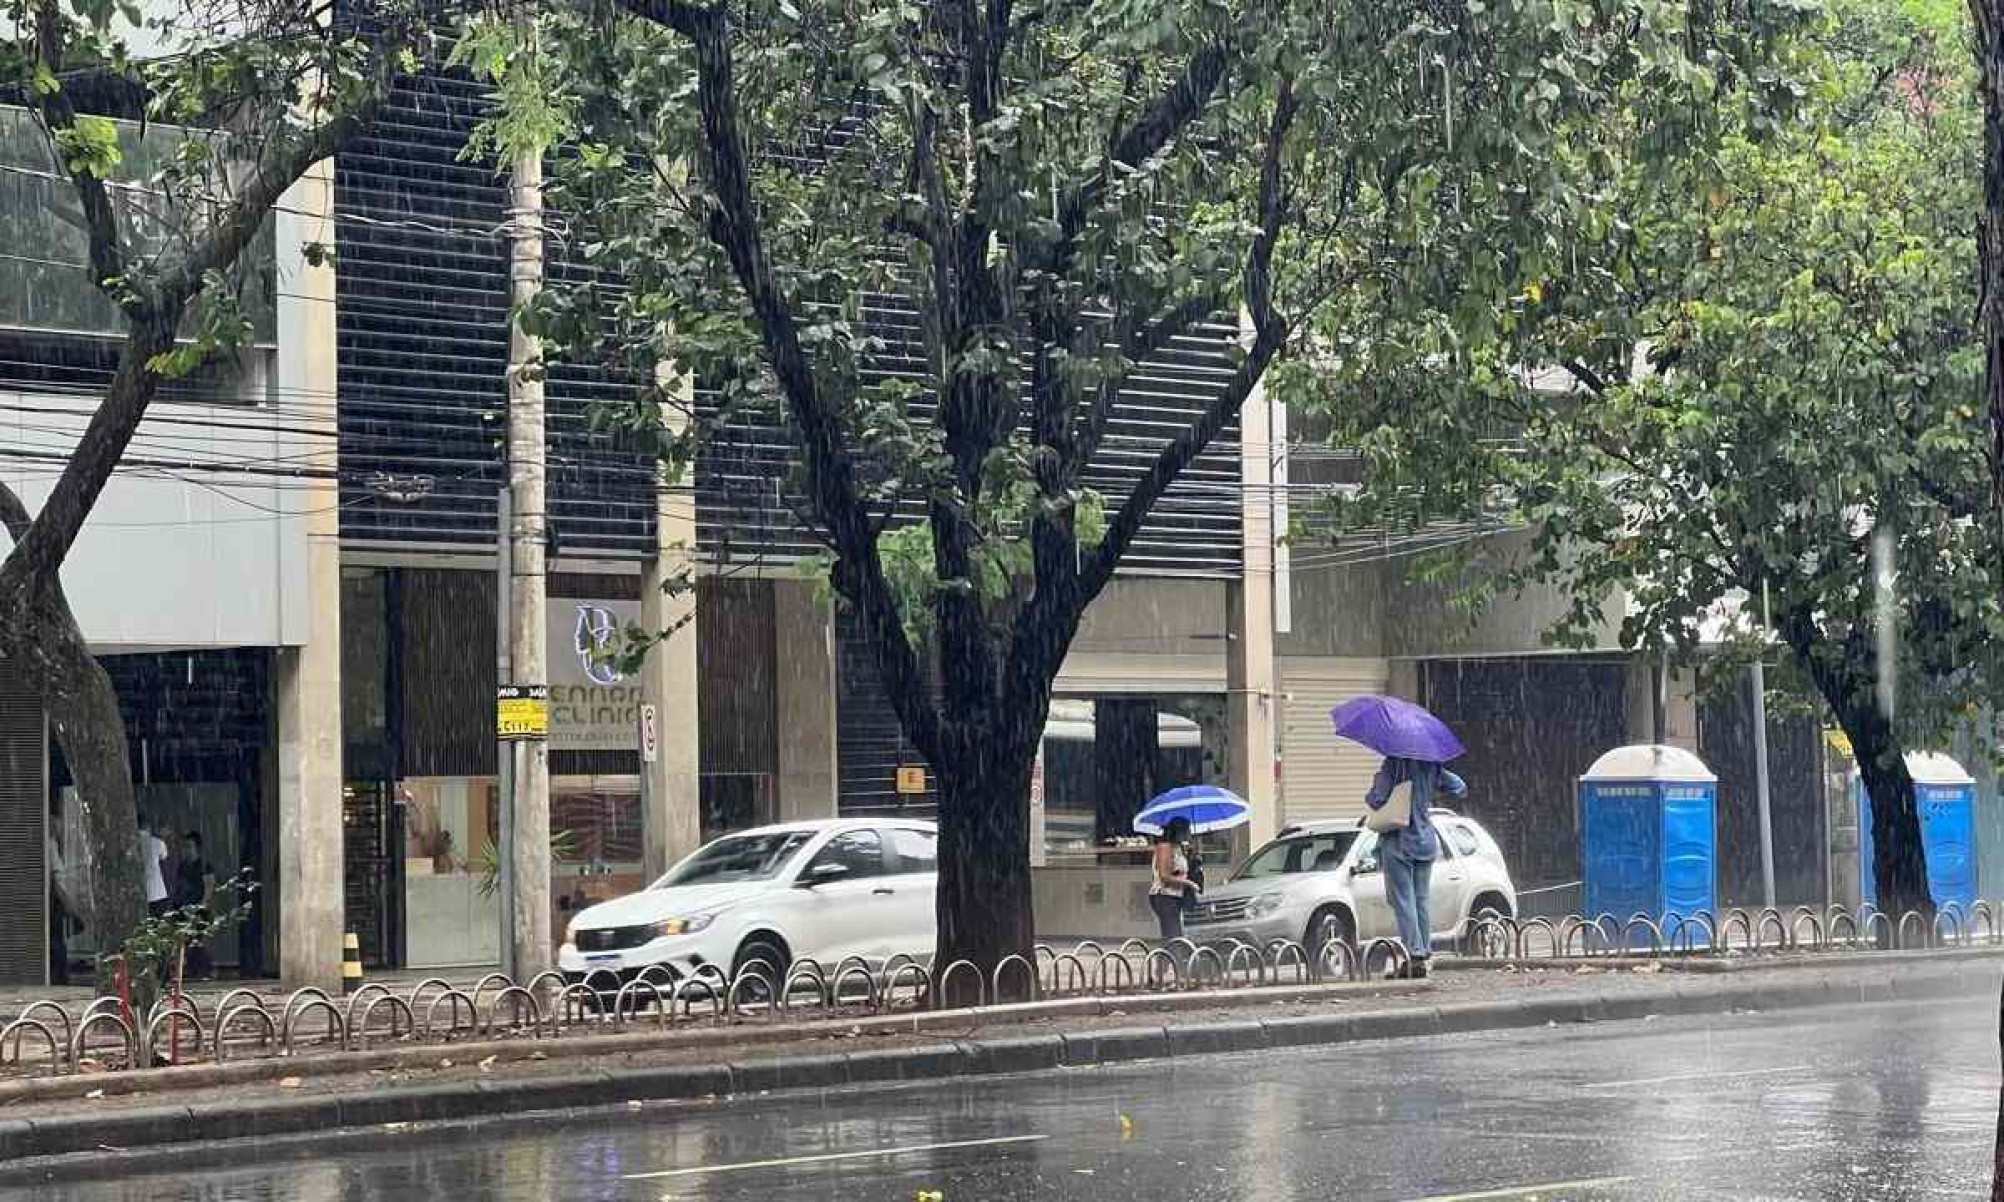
1884, 1102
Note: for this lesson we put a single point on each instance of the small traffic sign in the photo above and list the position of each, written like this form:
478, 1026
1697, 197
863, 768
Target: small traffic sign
522, 711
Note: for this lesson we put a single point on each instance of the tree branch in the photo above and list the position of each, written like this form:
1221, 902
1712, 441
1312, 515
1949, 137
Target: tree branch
13, 514
59, 115
1152, 130
1269, 334
154, 321
1138, 344
734, 227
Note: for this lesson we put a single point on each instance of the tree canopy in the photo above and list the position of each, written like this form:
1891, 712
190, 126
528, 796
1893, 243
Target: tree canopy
1063, 192
1756, 412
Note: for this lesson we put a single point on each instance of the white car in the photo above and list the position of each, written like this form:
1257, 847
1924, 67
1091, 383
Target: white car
1321, 880
823, 890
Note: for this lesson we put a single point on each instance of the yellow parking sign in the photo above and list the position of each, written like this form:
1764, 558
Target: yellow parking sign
522, 711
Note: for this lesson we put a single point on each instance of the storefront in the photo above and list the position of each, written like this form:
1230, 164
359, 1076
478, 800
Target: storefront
423, 799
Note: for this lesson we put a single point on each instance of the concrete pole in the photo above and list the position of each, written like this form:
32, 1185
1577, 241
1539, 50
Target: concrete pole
1249, 620
528, 652
504, 586
671, 813
1761, 783
1760, 757
671, 816
311, 867
804, 649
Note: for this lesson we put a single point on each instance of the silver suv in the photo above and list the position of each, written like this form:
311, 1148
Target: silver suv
1320, 880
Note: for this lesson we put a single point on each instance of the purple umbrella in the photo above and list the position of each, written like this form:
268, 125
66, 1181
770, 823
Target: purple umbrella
1392, 727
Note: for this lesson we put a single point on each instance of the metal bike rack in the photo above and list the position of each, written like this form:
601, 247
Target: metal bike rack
17, 1031
336, 1029
960, 968
453, 999
1028, 974
255, 1010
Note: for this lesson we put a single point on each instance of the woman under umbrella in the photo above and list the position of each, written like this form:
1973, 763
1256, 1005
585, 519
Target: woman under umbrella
1415, 745
1173, 818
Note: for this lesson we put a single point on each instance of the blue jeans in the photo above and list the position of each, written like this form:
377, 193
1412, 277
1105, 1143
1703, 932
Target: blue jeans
1408, 890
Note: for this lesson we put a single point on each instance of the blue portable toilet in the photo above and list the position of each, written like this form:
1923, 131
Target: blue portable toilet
1647, 833
1946, 796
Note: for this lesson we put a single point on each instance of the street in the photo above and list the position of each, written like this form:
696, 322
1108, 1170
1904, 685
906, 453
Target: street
1883, 1102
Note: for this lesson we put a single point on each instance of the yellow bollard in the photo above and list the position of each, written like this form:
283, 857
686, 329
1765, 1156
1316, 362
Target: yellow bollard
351, 963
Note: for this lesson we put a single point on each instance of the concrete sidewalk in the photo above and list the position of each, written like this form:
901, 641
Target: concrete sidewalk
443, 1083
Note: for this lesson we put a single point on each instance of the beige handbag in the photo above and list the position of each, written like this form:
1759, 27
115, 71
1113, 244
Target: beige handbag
1397, 812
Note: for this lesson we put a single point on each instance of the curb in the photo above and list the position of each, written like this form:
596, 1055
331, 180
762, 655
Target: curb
396, 1108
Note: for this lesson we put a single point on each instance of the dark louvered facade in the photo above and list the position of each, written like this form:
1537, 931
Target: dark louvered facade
423, 324
423, 300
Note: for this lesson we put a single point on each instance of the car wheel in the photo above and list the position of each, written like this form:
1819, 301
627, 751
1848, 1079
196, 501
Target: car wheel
767, 960
1326, 925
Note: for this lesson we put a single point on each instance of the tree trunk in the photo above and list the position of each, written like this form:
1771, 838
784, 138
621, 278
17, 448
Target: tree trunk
1987, 17
983, 898
39, 636
1847, 677
1899, 862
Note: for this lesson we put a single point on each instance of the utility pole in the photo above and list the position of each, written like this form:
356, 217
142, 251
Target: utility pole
504, 585
528, 852
1760, 758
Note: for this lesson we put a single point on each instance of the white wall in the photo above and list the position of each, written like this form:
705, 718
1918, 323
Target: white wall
174, 557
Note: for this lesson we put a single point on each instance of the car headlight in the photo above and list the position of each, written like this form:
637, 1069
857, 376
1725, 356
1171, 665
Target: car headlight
682, 926
1263, 905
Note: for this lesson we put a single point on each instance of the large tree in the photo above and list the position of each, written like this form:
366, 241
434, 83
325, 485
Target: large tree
1758, 414
232, 105
1061, 191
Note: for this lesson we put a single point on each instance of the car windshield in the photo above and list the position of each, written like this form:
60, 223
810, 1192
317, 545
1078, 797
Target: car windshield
1299, 853
737, 858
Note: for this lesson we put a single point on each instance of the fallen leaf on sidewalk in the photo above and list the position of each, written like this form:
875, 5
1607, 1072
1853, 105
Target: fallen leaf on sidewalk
445, 1064
931, 1195
1586, 970
539, 1055
487, 1065
633, 1104
290, 1083
95, 1093
1648, 968
396, 1126
1126, 1127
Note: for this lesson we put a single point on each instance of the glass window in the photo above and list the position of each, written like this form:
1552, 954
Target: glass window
1302, 853
862, 852
1464, 839
738, 858
918, 851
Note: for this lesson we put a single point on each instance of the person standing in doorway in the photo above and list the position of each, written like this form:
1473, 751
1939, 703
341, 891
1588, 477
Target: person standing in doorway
153, 860
191, 891
1406, 854
61, 905
1172, 881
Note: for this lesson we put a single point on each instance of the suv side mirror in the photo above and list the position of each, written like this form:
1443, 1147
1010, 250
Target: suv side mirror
1366, 865
822, 872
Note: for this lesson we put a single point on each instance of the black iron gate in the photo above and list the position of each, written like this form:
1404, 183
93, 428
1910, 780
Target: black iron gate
373, 848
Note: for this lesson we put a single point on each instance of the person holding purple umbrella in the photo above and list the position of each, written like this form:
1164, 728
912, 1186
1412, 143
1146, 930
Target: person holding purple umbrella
1406, 852
1415, 745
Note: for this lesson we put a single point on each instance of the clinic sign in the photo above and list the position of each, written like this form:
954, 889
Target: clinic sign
593, 705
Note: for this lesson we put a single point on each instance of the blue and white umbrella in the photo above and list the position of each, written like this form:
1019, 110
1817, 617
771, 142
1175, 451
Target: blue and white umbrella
1207, 807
